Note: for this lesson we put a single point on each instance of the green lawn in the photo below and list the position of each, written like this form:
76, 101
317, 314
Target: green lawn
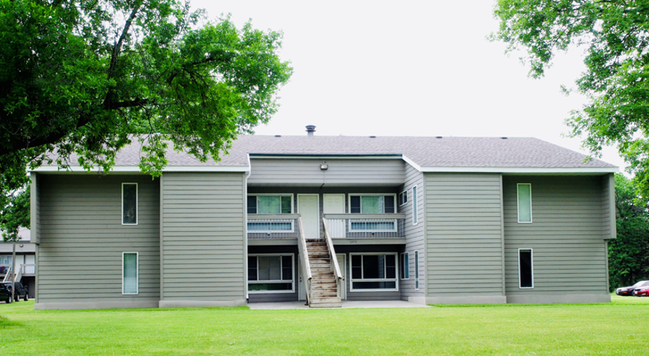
621, 327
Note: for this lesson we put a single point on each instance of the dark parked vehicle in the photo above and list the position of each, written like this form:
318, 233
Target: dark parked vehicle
5, 294
21, 291
628, 291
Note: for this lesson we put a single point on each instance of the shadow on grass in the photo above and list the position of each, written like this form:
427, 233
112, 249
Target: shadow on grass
6, 323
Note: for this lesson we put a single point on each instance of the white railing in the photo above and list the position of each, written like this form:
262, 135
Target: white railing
273, 226
27, 268
365, 226
304, 258
335, 268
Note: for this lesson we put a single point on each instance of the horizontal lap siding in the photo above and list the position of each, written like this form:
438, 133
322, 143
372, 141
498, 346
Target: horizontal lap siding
464, 235
414, 234
340, 172
569, 254
203, 248
80, 255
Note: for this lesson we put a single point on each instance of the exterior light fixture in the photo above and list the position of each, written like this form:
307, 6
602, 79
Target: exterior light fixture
324, 166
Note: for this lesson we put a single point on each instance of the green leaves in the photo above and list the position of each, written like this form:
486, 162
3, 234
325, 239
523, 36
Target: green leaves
84, 78
616, 34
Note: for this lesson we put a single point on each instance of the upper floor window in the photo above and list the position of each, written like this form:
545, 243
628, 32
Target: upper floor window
372, 204
403, 197
270, 204
129, 203
524, 197
414, 206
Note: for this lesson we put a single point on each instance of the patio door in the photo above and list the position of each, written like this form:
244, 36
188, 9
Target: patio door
309, 209
335, 204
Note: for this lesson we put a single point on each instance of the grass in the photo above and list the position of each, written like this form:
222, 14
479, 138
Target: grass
621, 327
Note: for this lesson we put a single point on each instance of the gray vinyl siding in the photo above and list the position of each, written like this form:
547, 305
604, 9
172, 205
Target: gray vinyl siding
608, 206
82, 238
340, 172
463, 235
569, 253
415, 238
203, 237
34, 210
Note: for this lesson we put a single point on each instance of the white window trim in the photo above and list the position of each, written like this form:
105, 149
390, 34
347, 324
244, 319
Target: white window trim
518, 208
531, 266
137, 204
395, 280
137, 273
273, 281
349, 200
406, 264
271, 195
415, 211
416, 269
403, 193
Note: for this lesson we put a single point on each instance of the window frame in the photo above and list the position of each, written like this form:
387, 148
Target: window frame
137, 272
271, 195
137, 204
403, 197
416, 269
518, 203
404, 273
396, 275
415, 212
349, 201
293, 272
531, 267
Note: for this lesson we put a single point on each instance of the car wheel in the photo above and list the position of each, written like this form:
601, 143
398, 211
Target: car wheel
9, 300
26, 297
16, 298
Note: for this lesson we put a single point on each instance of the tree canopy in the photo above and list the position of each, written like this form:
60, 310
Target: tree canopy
85, 77
616, 36
628, 254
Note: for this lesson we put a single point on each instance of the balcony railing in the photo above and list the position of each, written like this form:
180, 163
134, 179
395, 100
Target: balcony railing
273, 226
366, 226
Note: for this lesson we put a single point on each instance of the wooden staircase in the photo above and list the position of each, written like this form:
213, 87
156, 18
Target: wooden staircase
324, 290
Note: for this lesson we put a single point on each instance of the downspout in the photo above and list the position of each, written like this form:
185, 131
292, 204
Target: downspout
245, 228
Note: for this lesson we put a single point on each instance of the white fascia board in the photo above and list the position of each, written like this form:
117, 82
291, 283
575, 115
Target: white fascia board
136, 169
412, 163
522, 170
315, 156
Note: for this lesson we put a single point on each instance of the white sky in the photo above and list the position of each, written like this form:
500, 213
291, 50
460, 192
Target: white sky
408, 68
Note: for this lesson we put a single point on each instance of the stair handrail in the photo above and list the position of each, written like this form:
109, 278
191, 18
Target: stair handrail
332, 253
8, 274
304, 257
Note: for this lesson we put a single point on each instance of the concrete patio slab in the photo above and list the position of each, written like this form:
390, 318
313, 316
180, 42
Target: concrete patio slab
346, 305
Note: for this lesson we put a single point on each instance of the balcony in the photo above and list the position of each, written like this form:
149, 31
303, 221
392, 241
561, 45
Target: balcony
365, 226
273, 226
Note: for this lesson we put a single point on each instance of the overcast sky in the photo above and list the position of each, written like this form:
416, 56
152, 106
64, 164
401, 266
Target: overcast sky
408, 68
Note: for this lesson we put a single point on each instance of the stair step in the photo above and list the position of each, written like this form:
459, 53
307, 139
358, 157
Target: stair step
317, 300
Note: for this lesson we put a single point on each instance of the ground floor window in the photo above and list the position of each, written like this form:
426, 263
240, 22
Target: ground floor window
416, 269
271, 273
374, 271
404, 266
525, 268
130, 273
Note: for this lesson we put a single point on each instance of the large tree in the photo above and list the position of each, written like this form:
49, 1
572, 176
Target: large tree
85, 77
628, 254
615, 34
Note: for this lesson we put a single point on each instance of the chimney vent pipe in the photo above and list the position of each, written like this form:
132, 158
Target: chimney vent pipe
310, 130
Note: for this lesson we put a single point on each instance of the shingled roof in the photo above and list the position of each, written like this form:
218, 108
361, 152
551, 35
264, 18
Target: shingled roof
422, 152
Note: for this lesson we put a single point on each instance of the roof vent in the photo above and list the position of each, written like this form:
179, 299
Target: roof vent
278, 135
504, 138
310, 130
439, 136
372, 136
